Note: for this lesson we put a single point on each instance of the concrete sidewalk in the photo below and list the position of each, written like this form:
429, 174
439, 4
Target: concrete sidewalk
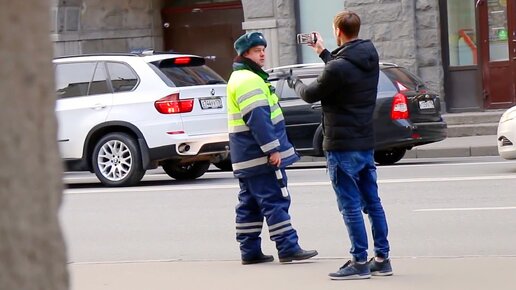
455, 273
472, 273
484, 145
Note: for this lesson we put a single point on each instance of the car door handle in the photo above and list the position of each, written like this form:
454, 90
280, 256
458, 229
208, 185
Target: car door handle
98, 106
315, 106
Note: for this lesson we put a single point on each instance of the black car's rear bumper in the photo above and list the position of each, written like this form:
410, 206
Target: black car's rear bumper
408, 135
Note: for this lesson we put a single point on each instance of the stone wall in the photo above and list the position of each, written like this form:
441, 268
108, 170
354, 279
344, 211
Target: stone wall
276, 20
428, 40
32, 250
88, 26
391, 27
405, 32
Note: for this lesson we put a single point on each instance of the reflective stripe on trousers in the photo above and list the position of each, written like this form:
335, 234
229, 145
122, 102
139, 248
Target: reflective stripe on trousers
262, 194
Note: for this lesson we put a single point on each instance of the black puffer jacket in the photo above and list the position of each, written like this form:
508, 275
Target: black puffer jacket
347, 90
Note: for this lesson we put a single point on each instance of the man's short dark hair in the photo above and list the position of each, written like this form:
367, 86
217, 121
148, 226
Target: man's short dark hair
348, 22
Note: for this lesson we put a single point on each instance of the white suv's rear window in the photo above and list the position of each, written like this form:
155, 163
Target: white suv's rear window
182, 72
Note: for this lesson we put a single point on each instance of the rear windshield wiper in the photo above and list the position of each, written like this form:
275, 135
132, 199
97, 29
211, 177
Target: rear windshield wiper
213, 82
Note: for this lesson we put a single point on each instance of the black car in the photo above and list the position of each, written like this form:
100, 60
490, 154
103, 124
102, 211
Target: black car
407, 114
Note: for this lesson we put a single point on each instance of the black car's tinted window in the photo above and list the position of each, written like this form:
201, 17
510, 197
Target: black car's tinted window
385, 84
404, 77
73, 79
289, 93
123, 78
188, 74
99, 83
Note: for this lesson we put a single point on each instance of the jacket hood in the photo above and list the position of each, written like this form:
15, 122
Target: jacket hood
361, 53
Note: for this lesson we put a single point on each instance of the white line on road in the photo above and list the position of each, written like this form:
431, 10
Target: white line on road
445, 179
205, 186
465, 209
410, 165
453, 164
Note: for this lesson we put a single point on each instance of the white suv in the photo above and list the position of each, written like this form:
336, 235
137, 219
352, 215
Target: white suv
121, 114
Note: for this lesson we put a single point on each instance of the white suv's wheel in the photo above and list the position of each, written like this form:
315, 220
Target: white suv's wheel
224, 165
185, 171
117, 160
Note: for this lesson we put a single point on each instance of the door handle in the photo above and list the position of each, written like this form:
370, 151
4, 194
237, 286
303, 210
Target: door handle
98, 107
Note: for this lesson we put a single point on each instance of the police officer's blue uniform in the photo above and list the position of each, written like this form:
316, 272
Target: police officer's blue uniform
256, 130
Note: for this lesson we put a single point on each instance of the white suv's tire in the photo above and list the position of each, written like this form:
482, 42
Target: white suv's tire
117, 160
224, 165
185, 171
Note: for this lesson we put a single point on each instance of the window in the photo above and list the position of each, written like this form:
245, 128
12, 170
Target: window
317, 16
288, 93
498, 33
123, 78
73, 79
462, 33
99, 83
385, 84
403, 77
185, 75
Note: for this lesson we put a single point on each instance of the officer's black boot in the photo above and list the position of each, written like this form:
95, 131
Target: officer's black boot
298, 256
258, 259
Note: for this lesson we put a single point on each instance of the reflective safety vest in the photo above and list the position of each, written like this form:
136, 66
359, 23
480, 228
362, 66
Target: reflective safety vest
256, 125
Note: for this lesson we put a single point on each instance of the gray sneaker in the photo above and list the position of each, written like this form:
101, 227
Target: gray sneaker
380, 268
351, 271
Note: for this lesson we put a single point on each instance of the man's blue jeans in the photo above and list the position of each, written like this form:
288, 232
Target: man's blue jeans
353, 176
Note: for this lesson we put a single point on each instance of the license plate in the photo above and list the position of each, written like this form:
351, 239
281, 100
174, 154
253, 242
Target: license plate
211, 103
426, 104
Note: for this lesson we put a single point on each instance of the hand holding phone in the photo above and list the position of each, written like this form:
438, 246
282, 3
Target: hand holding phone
307, 38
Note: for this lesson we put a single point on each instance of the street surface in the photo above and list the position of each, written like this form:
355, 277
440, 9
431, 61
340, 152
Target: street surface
451, 221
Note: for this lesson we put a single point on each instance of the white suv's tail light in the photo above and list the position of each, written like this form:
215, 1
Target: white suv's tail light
171, 104
399, 107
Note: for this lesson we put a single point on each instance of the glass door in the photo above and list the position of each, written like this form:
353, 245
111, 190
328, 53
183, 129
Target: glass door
498, 34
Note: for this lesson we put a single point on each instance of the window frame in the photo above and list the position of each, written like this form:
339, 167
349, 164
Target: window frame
110, 80
94, 62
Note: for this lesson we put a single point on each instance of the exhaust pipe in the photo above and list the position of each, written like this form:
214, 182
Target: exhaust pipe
183, 147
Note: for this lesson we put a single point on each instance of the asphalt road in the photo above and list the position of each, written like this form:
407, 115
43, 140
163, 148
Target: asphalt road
454, 207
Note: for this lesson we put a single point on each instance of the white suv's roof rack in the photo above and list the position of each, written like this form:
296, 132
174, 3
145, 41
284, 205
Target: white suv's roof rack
97, 54
302, 65
388, 64
315, 64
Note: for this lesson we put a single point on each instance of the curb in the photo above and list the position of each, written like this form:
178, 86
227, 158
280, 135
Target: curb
469, 151
452, 152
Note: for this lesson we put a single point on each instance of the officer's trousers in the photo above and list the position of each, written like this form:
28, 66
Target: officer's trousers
260, 196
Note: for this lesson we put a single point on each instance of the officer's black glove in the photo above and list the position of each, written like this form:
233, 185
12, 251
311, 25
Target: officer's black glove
291, 81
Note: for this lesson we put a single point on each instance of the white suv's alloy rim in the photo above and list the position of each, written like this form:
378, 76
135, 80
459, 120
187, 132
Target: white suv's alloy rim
114, 160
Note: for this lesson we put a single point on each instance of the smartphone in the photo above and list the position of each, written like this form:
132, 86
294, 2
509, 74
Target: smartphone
304, 38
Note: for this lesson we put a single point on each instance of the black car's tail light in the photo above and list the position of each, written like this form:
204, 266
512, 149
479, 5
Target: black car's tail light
399, 108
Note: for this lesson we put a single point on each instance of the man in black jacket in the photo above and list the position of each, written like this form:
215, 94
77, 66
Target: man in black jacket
347, 90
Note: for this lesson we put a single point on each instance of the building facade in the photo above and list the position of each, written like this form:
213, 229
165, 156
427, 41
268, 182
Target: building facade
466, 50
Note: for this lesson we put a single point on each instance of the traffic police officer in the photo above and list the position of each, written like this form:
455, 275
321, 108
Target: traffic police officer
260, 151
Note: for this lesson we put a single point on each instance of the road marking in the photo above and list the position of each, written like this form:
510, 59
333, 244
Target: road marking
206, 186
410, 165
465, 209
446, 179
451, 164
